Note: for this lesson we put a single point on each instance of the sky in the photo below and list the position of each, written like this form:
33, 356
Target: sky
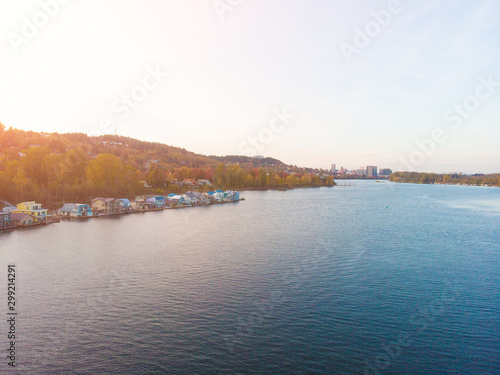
406, 85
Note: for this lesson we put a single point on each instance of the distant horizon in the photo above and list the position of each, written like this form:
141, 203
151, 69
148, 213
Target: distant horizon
265, 156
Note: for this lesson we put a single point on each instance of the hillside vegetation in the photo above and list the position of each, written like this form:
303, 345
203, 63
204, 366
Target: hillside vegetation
75, 167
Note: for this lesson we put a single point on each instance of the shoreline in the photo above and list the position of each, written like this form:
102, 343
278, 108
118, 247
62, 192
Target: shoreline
441, 183
64, 217
283, 188
56, 218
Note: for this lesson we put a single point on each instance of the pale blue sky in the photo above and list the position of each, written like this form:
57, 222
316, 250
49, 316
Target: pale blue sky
227, 77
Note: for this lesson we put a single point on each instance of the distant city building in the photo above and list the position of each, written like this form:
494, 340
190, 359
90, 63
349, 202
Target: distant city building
371, 171
360, 172
333, 169
385, 171
259, 156
342, 170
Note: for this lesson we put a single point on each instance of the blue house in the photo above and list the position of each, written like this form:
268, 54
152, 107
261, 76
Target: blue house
76, 210
125, 203
158, 201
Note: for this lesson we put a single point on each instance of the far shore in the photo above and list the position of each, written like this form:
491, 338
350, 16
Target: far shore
448, 183
281, 188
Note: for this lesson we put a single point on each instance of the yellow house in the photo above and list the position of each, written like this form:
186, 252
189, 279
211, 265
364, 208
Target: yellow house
34, 209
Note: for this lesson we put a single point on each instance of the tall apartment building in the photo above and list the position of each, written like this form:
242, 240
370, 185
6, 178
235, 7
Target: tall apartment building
371, 171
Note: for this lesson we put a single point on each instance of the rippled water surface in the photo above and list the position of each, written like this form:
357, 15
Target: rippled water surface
376, 278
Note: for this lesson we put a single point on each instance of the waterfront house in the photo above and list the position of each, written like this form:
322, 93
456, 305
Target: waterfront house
22, 219
142, 205
191, 198
106, 206
160, 201
231, 195
218, 195
157, 201
207, 198
125, 204
186, 200
170, 203
6, 206
76, 210
34, 209
6, 220
6, 210
178, 199
201, 197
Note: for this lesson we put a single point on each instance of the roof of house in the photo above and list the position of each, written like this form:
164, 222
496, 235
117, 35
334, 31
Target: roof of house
5, 204
69, 207
72, 206
105, 200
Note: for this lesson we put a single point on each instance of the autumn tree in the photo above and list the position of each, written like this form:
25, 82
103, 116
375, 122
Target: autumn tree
107, 174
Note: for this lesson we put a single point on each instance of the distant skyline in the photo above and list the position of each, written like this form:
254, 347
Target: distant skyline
403, 85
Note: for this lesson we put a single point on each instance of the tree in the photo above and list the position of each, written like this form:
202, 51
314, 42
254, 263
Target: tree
107, 174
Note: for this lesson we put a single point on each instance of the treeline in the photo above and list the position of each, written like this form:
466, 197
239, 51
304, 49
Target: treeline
453, 178
233, 176
74, 167
44, 176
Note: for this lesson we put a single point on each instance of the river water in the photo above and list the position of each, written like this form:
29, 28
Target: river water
376, 278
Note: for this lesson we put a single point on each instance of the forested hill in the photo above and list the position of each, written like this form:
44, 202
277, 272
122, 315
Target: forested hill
71, 167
